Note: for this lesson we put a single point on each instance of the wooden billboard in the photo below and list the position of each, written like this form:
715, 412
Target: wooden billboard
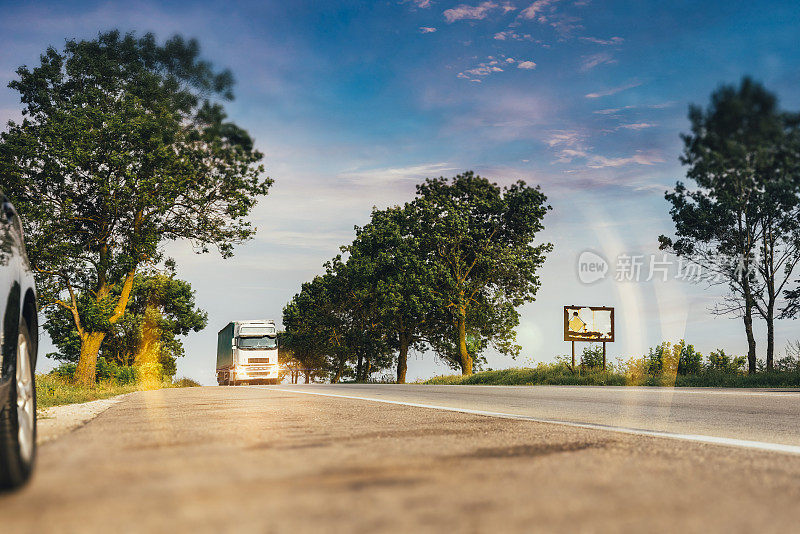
589, 323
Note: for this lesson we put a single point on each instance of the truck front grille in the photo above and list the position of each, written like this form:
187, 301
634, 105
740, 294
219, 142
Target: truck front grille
257, 360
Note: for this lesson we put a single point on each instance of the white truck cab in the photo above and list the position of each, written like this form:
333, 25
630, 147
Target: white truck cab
247, 353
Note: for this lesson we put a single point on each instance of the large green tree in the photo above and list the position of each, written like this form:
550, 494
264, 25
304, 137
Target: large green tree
741, 222
124, 145
337, 315
161, 309
391, 274
315, 326
479, 239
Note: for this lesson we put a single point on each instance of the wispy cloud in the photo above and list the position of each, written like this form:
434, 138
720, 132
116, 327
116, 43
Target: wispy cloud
568, 154
564, 137
592, 61
545, 12
571, 145
426, 29
637, 125
466, 12
611, 111
613, 90
640, 158
511, 35
422, 4
528, 65
393, 175
606, 42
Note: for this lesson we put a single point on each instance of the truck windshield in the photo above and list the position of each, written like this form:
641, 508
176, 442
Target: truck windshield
265, 342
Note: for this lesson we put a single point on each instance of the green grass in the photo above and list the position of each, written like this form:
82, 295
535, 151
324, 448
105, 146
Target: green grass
535, 376
54, 390
556, 374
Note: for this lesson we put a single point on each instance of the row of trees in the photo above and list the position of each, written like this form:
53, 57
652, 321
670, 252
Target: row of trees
444, 272
740, 222
124, 145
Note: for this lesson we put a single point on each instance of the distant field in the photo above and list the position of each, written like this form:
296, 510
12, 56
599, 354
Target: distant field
561, 375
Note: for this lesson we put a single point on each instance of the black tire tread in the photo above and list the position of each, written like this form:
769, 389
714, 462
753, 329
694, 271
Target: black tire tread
13, 471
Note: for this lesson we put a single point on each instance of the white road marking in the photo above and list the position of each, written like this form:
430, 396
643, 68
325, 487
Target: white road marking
653, 389
698, 438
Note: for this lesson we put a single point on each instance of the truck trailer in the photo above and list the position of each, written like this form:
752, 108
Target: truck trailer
247, 353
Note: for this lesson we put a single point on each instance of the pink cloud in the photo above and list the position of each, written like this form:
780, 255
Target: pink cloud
465, 12
536, 8
426, 29
528, 65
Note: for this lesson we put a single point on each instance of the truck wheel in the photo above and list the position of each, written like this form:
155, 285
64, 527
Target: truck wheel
18, 415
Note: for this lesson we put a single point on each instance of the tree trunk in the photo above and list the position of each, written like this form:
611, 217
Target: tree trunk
402, 358
770, 337
748, 327
367, 368
359, 367
91, 341
466, 359
339, 370
87, 362
770, 318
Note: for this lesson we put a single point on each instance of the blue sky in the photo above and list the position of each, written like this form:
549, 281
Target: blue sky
353, 103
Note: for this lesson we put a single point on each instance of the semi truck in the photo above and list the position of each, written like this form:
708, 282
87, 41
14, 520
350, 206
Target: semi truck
247, 353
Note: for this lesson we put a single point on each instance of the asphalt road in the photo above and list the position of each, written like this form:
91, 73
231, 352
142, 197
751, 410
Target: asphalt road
264, 459
766, 416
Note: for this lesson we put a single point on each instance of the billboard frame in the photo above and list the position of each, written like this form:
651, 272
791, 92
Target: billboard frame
568, 336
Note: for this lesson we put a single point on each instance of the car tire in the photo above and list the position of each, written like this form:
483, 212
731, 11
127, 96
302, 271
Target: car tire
18, 415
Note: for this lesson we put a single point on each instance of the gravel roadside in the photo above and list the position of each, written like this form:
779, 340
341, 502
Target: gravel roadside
58, 420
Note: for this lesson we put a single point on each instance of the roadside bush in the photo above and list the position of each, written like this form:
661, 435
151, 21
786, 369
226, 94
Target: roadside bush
720, 362
592, 357
690, 362
790, 362
106, 371
126, 375
185, 383
65, 371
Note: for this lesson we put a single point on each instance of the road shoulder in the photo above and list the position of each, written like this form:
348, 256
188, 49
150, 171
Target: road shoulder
56, 421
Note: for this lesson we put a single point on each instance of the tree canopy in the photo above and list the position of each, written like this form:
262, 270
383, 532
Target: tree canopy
446, 271
124, 145
480, 239
741, 221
